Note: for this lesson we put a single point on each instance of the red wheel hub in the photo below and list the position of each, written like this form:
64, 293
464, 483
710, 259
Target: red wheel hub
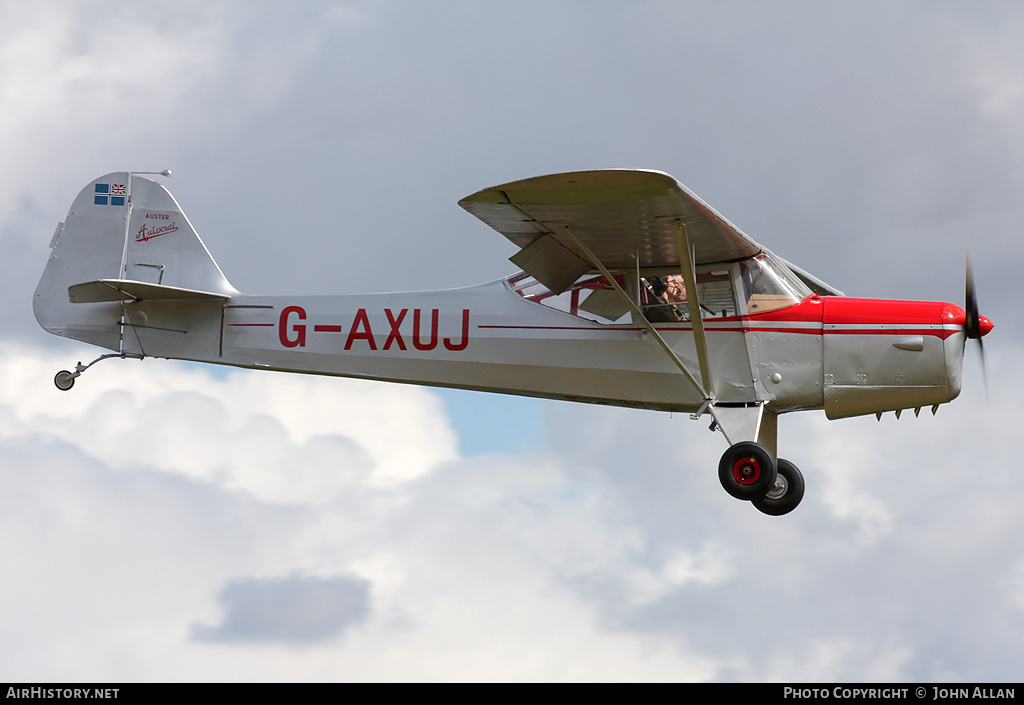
746, 471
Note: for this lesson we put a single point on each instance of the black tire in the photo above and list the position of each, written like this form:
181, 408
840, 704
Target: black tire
787, 492
64, 380
747, 470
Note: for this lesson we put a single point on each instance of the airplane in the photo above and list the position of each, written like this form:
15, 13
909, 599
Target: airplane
632, 292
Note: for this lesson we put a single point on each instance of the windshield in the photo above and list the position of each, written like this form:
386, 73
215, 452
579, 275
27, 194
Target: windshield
768, 285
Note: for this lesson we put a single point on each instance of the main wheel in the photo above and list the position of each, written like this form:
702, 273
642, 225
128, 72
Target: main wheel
64, 380
787, 492
747, 470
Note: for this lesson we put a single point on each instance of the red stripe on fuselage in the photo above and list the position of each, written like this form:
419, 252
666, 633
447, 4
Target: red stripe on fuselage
856, 316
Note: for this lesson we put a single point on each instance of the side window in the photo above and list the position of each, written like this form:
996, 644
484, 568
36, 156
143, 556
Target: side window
665, 298
591, 297
716, 297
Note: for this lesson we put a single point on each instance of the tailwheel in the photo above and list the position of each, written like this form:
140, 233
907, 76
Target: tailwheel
64, 380
785, 494
747, 470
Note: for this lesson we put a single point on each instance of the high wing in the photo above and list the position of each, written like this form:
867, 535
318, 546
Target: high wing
622, 214
626, 217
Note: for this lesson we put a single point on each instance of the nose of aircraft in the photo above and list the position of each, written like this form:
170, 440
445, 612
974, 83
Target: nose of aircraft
975, 325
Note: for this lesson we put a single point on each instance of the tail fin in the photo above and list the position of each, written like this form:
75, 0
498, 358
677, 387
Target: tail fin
124, 234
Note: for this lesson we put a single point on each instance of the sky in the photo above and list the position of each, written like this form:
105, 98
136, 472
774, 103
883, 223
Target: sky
174, 522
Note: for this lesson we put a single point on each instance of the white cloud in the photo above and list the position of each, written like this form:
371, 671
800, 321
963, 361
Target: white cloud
134, 502
78, 79
88, 85
145, 414
850, 475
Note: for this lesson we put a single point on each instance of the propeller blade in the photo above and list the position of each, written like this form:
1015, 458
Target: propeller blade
974, 327
984, 367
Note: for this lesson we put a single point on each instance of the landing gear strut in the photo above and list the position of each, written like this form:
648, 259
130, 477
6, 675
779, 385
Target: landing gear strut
65, 380
749, 471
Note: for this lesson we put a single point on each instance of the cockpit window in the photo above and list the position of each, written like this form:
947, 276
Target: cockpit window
768, 285
661, 298
665, 298
764, 285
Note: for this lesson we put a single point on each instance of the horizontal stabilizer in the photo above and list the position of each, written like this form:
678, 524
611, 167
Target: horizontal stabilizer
105, 290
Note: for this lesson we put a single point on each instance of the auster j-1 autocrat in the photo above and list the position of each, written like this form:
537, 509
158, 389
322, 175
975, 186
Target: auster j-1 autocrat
632, 292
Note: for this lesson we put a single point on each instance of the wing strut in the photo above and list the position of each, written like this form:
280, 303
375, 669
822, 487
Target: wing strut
647, 324
692, 300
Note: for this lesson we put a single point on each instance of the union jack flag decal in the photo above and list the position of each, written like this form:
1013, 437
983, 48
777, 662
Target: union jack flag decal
110, 195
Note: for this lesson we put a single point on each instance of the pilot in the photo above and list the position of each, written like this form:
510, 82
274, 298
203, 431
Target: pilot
660, 308
675, 289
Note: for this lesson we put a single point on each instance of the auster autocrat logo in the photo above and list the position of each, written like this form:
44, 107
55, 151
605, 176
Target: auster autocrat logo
149, 231
292, 330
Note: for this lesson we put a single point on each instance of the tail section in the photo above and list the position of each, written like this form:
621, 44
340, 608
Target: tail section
128, 272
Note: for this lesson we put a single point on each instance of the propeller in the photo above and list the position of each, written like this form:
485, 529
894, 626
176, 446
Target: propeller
977, 325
